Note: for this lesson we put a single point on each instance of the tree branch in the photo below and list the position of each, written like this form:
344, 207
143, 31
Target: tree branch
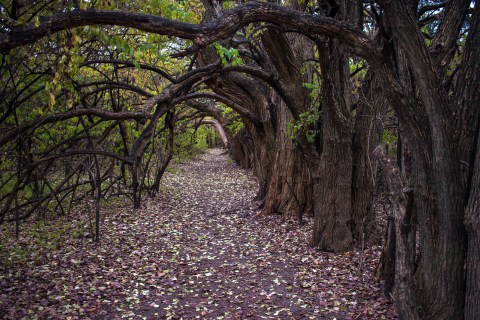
203, 34
103, 114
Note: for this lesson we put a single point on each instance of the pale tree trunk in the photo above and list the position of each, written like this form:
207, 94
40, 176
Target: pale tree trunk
218, 127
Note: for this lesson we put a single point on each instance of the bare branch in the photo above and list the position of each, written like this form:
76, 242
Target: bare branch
103, 114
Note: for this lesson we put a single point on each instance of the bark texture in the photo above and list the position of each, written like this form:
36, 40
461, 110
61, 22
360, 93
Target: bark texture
370, 110
472, 223
333, 189
402, 210
291, 179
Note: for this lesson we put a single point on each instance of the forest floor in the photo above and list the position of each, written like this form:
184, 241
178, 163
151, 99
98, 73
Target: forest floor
197, 251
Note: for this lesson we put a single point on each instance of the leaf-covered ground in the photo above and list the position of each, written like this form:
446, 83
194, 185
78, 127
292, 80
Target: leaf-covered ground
198, 251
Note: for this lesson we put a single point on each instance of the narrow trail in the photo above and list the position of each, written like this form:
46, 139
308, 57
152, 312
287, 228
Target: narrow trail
197, 251
228, 265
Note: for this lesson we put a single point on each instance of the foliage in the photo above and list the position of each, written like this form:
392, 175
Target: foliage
228, 56
306, 124
358, 70
390, 139
191, 142
60, 77
235, 123
227, 5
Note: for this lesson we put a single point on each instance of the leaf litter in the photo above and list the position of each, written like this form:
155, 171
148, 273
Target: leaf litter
197, 251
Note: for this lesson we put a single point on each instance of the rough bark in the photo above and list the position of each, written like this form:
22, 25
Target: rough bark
472, 223
402, 209
386, 267
289, 191
438, 190
469, 121
367, 133
290, 188
332, 191
241, 149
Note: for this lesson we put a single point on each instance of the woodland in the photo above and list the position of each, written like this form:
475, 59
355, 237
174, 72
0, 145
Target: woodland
352, 133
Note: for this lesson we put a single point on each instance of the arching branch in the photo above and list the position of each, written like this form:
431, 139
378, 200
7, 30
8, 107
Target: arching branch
103, 114
116, 85
131, 64
202, 34
219, 129
242, 111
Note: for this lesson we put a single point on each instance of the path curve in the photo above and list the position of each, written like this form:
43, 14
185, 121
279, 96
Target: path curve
233, 264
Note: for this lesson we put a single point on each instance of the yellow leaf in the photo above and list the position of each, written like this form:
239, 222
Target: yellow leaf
51, 101
76, 38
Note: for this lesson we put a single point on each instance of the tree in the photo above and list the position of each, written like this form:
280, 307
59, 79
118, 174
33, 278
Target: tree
283, 176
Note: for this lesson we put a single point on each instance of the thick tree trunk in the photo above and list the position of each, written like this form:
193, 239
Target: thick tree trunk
289, 190
472, 223
333, 189
470, 99
402, 212
332, 230
332, 197
241, 149
436, 174
368, 130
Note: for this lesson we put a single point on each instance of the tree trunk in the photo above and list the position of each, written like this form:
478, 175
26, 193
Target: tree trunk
170, 124
241, 149
333, 189
469, 97
402, 212
439, 191
369, 113
289, 190
472, 223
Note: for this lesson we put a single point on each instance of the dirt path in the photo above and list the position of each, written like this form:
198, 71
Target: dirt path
197, 251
